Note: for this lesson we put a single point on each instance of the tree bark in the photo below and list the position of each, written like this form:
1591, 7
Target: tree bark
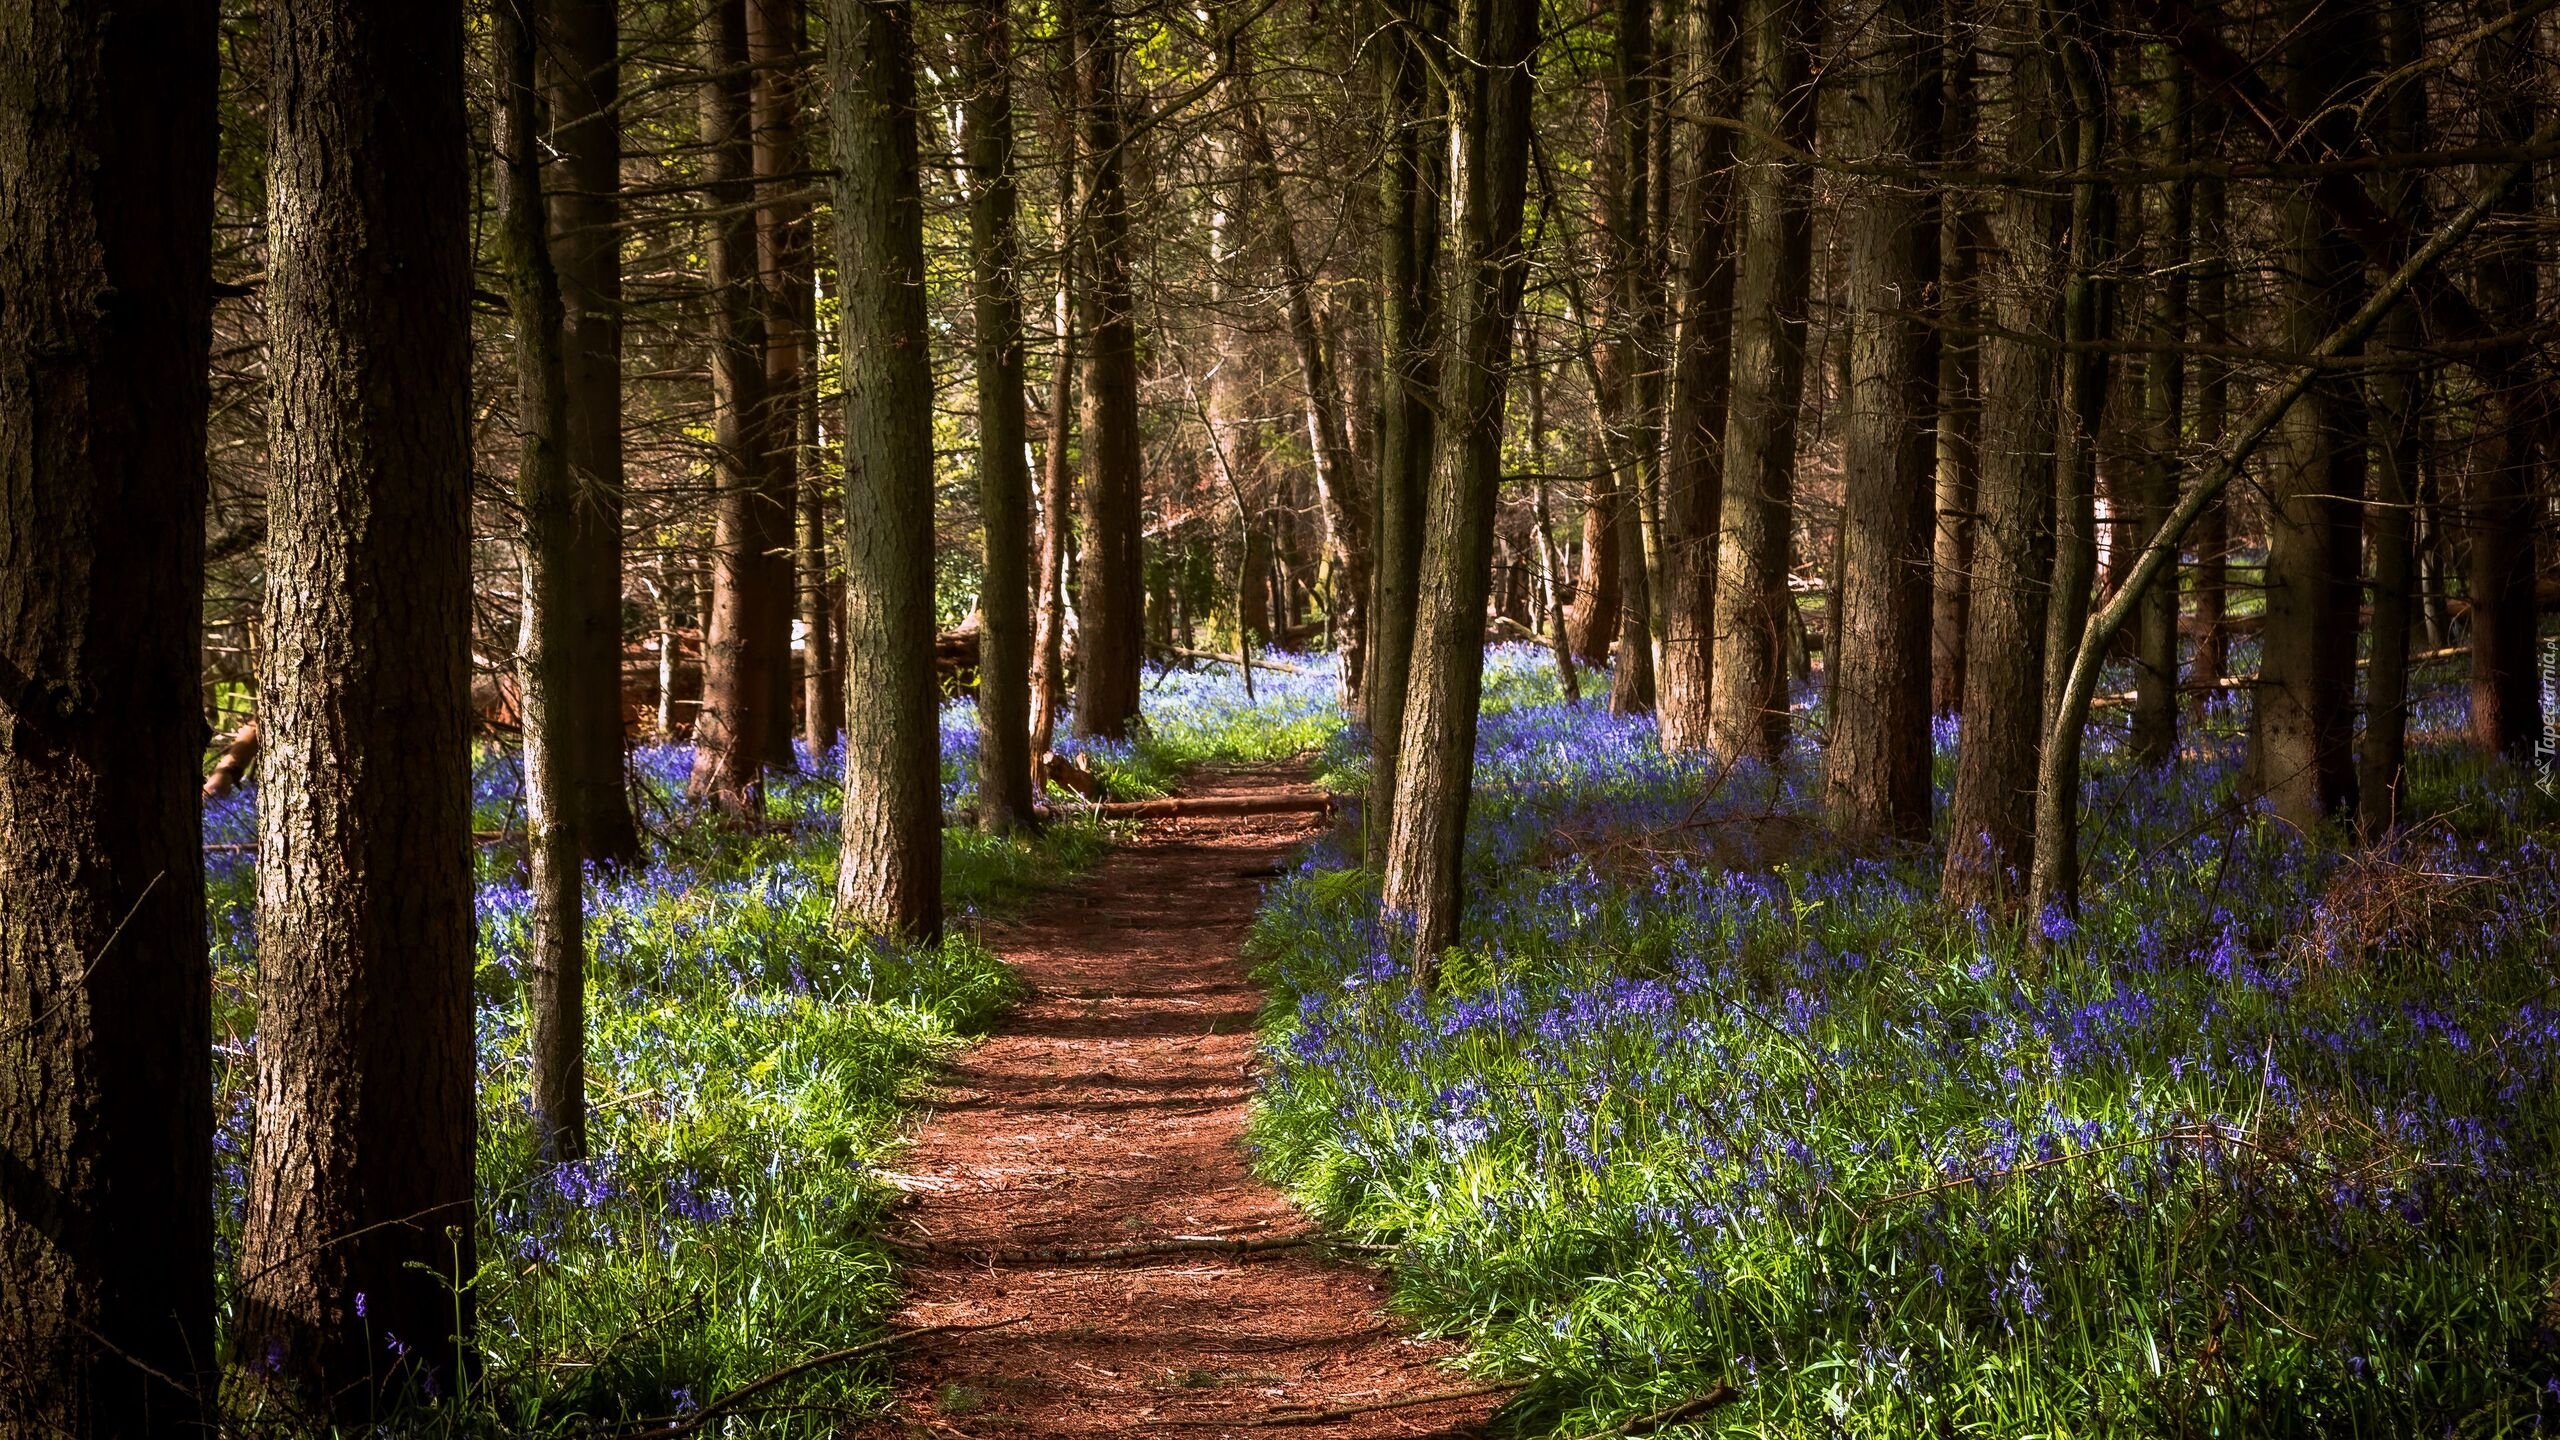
2398, 398
890, 876
1701, 380
777, 34
1411, 184
2212, 543
360, 1179
2303, 727
106, 1085
555, 984
582, 87
2164, 376
1992, 812
1111, 643
1626, 352
2506, 697
1437, 758
1877, 776
1057, 473
1004, 475
732, 731
1598, 593
1754, 610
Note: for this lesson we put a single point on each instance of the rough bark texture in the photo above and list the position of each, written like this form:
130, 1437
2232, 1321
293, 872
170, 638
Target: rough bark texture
2506, 697
106, 1110
1004, 474
2076, 41
1959, 386
2303, 725
360, 1181
732, 737
1057, 502
2398, 411
2211, 545
555, 986
1411, 180
1592, 618
2164, 399
1437, 758
1993, 808
1755, 613
890, 876
1701, 377
1625, 357
1111, 609
582, 83
1877, 778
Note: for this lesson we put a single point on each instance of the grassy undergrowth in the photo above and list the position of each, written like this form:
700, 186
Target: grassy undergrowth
2263, 1144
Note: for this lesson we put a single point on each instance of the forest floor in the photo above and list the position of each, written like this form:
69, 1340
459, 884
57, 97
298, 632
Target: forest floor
1067, 1157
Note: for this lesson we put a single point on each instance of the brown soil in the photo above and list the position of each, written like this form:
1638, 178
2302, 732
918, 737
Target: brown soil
1106, 1116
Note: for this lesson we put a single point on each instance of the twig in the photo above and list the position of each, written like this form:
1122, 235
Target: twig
1345, 1412
1646, 1424
676, 1428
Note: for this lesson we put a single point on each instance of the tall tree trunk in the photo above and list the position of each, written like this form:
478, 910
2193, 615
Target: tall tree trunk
2304, 720
1411, 182
1542, 518
582, 84
106, 1085
555, 972
1437, 758
1701, 379
890, 876
822, 676
1110, 648
360, 1179
1233, 417
1992, 813
1346, 524
731, 732
2211, 545
1754, 610
1877, 777
1597, 590
1057, 474
2164, 377
1959, 447
2506, 706
777, 33
1626, 351
2398, 397
1004, 476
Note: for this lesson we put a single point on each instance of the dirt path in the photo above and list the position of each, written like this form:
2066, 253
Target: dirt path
1107, 1113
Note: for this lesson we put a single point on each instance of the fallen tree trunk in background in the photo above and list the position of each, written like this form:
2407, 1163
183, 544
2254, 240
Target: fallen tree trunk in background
234, 762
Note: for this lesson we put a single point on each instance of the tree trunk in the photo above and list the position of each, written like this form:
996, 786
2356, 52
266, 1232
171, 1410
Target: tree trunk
1701, 379
1057, 481
890, 876
1004, 476
1437, 757
1597, 594
582, 85
822, 675
1112, 612
2164, 376
2212, 543
106, 1086
2399, 406
359, 1219
1411, 181
1754, 610
1992, 813
2303, 726
731, 732
1626, 351
777, 34
2504, 504
1877, 776
1542, 519
555, 983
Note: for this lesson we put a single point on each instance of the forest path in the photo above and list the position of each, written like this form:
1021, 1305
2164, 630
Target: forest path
1107, 1114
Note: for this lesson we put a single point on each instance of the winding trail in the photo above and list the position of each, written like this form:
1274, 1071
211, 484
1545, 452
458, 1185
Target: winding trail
1106, 1116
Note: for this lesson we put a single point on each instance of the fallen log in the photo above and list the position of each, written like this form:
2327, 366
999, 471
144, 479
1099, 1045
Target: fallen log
234, 761
1282, 667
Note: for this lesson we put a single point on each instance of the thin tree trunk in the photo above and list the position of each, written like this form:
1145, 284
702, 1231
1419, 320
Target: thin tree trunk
2399, 406
1992, 814
2303, 724
582, 85
777, 34
2077, 42
2212, 544
2155, 705
822, 676
1004, 476
1701, 380
1877, 776
360, 1178
890, 876
1110, 647
1437, 758
1057, 479
1754, 610
1550, 564
106, 1085
1626, 350
555, 975
731, 739
2504, 503
1411, 183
